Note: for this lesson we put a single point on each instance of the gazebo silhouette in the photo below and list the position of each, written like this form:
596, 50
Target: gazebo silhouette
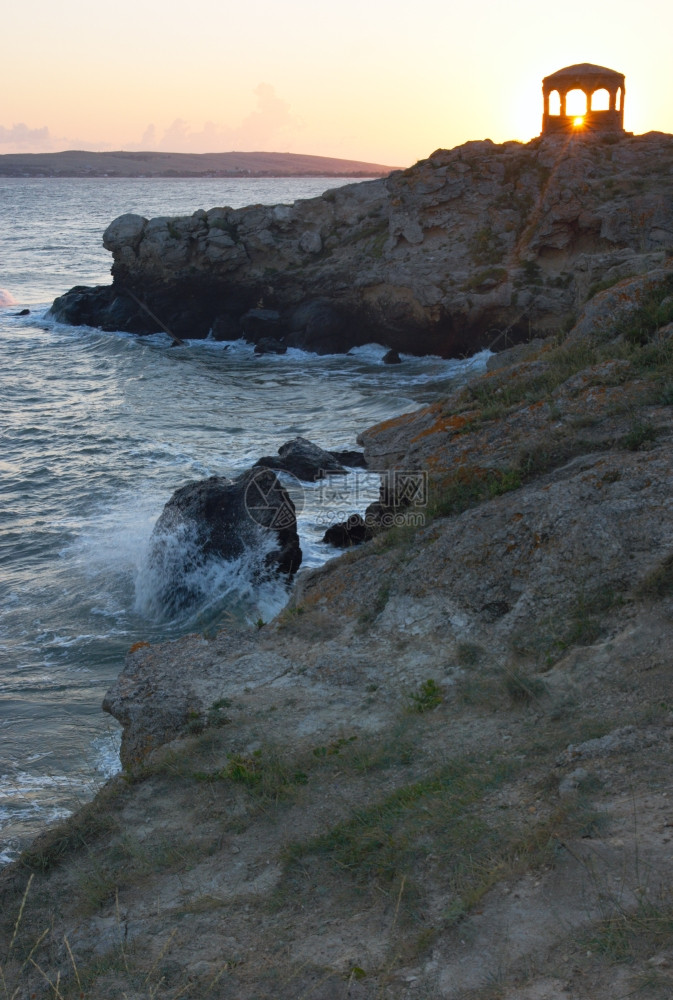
603, 91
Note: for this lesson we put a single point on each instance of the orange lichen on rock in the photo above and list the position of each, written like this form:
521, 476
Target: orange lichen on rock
443, 425
138, 645
392, 422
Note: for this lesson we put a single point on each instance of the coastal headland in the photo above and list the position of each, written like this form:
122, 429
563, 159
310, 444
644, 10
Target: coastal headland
123, 163
477, 246
444, 770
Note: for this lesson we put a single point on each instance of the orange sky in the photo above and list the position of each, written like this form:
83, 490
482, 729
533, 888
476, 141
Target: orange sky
382, 81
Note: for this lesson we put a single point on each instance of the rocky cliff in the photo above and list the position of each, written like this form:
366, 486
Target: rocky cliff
479, 245
444, 770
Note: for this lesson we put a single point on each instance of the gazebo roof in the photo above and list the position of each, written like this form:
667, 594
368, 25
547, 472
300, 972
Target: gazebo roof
583, 71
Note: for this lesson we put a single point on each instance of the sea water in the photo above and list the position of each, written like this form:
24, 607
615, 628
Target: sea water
96, 432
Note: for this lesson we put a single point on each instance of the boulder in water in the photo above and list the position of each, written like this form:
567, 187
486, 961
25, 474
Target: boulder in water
304, 460
354, 459
251, 517
101, 306
258, 324
391, 357
269, 345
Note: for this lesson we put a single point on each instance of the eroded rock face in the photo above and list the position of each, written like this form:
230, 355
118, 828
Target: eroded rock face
479, 245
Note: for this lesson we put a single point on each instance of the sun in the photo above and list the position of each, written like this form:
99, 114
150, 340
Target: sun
578, 122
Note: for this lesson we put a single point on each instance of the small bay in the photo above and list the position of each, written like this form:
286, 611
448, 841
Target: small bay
96, 432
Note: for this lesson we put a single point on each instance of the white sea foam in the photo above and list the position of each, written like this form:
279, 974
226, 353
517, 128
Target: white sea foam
174, 580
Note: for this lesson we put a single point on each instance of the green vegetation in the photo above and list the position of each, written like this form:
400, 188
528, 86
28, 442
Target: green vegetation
425, 833
655, 309
382, 843
485, 247
522, 688
492, 275
428, 696
267, 773
641, 432
628, 935
532, 273
453, 493
227, 226
92, 822
601, 286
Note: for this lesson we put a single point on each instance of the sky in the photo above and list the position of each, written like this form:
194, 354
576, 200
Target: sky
378, 80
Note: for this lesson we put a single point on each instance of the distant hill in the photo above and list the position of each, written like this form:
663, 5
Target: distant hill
80, 163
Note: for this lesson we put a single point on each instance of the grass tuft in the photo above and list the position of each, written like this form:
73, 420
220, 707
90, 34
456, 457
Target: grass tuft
428, 696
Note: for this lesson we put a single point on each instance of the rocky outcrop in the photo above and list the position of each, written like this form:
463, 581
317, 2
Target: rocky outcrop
305, 460
251, 516
345, 534
480, 245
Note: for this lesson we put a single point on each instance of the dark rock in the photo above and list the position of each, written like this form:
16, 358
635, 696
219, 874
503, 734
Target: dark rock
225, 328
380, 516
494, 610
228, 519
104, 307
391, 358
268, 345
258, 324
23, 312
344, 535
81, 302
354, 459
304, 460
320, 326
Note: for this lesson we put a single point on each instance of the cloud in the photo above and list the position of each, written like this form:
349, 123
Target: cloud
270, 124
149, 138
272, 117
22, 139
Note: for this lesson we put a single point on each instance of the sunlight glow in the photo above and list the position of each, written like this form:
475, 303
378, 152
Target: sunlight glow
365, 84
578, 122
576, 103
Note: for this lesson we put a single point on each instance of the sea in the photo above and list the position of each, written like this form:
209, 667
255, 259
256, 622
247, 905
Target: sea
97, 430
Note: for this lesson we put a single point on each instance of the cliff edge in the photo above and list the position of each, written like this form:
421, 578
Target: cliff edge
476, 246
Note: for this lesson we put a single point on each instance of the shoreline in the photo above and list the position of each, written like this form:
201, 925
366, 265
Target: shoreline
424, 775
414, 773
121, 163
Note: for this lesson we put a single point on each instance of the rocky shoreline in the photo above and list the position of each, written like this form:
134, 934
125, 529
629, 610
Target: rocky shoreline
444, 769
480, 246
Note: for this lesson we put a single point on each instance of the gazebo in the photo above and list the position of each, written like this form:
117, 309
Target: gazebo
603, 91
